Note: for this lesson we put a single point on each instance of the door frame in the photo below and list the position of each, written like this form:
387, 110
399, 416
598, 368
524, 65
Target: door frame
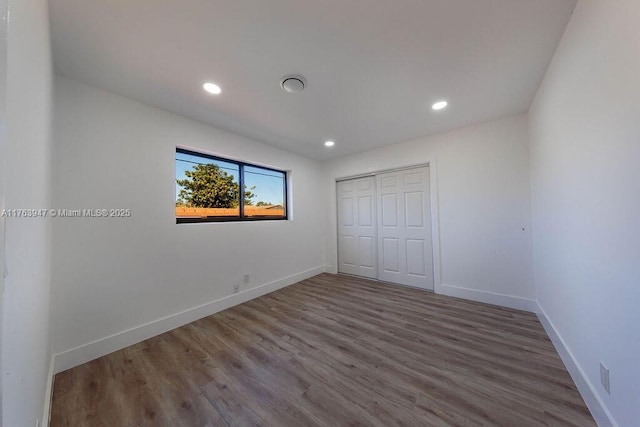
435, 219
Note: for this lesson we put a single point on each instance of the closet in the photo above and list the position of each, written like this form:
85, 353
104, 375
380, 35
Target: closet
384, 227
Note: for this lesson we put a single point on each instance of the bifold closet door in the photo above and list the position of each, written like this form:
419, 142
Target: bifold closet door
357, 227
404, 228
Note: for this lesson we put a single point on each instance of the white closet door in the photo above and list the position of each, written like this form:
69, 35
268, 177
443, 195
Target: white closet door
404, 232
357, 227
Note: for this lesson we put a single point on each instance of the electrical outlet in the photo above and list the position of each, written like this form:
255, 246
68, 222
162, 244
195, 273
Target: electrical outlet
247, 278
236, 288
604, 378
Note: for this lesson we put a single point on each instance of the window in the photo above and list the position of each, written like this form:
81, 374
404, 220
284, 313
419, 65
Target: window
208, 190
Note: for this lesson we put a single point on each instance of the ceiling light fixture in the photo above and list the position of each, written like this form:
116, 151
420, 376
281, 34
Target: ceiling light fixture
293, 83
329, 144
212, 88
440, 105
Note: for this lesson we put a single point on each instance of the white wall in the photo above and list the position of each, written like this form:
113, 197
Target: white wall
26, 345
483, 198
111, 275
585, 149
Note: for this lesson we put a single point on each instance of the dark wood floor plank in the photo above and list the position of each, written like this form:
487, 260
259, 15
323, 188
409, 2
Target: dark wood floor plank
419, 350
332, 350
352, 358
315, 373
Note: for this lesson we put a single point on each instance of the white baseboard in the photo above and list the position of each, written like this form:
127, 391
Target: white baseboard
330, 269
92, 350
502, 300
588, 392
48, 394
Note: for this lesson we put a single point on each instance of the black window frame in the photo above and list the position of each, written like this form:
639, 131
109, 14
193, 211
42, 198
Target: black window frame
241, 217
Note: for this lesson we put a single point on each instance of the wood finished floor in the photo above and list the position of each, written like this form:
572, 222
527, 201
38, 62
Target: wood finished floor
332, 351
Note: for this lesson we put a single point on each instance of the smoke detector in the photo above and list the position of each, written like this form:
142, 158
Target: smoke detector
293, 83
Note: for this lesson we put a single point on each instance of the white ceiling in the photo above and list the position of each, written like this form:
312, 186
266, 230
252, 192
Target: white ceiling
373, 67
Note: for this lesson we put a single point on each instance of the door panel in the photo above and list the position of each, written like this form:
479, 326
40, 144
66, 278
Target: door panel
357, 227
413, 178
348, 250
365, 184
365, 211
390, 255
367, 252
415, 257
404, 236
389, 203
347, 212
387, 181
414, 213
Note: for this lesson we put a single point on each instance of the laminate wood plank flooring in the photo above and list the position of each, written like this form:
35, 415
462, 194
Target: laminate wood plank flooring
332, 350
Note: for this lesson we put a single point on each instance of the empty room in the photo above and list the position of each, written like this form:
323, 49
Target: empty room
319, 213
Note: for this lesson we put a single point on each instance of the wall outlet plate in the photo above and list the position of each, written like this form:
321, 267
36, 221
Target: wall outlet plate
604, 378
246, 278
236, 288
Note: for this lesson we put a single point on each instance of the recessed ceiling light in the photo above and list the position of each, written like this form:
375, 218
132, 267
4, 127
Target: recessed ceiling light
440, 105
293, 83
329, 144
212, 88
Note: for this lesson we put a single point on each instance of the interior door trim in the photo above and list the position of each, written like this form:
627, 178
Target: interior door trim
378, 172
